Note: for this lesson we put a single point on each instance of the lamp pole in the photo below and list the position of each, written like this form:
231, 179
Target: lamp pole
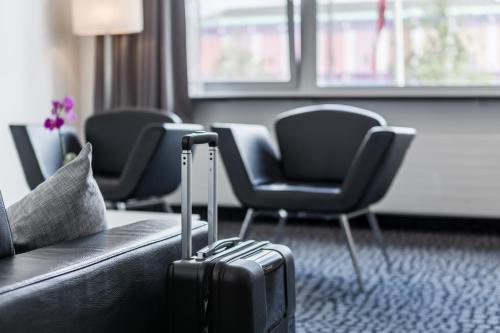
108, 70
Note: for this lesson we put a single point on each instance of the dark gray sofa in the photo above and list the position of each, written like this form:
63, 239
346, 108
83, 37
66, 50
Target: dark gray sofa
113, 281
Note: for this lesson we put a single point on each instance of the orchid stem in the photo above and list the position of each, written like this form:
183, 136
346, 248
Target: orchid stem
61, 143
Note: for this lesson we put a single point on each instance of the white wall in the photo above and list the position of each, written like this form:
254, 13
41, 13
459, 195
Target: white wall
39, 61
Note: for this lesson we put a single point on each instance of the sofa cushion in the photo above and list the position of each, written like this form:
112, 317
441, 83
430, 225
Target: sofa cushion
66, 206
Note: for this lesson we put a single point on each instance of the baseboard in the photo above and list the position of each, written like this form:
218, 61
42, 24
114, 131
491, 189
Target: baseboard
387, 221
438, 223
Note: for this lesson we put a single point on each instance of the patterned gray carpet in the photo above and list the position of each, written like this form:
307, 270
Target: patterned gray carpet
438, 283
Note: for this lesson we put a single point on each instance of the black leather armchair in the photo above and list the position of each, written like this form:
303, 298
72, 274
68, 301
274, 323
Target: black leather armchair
333, 161
136, 153
113, 281
39, 150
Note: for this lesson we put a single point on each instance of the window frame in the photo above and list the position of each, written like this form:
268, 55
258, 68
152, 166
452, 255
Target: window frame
303, 75
225, 88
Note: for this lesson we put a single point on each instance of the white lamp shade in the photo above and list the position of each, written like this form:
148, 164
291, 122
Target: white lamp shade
107, 17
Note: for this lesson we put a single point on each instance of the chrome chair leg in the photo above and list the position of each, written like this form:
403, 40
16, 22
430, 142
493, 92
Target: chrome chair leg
246, 223
377, 234
166, 207
283, 216
121, 206
344, 222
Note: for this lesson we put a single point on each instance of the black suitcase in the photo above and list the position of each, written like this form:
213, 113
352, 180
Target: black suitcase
231, 285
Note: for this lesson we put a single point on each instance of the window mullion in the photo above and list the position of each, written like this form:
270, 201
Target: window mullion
293, 63
400, 43
307, 74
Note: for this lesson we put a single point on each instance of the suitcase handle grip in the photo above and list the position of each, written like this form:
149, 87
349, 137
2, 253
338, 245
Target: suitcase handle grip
217, 246
199, 137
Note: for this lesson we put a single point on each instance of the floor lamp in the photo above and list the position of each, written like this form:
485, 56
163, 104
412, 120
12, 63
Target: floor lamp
106, 18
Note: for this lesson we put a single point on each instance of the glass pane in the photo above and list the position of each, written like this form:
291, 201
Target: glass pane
355, 43
297, 29
452, 42
236, 40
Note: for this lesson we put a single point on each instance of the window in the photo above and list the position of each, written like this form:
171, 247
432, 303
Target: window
333, 47
353, 48
234, 41
408, 42
452, 42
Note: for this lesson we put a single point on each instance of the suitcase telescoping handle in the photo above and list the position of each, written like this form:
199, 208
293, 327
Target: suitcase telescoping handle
199, 137
188, 141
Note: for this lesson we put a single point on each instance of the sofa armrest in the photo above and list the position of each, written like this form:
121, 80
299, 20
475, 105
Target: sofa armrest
111, 281
382, 149
6, 244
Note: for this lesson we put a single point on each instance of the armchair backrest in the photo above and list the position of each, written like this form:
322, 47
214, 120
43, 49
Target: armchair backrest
113, 135
319, 143
39, 150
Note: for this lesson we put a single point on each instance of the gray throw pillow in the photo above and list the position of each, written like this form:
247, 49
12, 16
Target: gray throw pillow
66, 206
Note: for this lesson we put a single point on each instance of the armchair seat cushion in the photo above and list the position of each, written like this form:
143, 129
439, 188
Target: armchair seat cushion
310, 196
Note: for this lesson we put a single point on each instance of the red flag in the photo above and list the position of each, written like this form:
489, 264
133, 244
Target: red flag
382, 6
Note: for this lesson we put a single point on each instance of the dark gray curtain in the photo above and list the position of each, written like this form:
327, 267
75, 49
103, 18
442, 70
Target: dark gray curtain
149, 68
